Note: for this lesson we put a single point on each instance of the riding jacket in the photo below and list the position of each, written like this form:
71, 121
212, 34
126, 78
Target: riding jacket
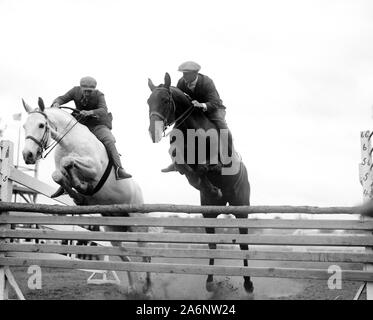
204, 92
95, 102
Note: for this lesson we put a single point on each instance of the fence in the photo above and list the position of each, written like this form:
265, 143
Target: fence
273, 243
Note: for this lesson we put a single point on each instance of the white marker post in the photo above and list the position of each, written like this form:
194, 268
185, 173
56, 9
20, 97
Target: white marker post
366, 179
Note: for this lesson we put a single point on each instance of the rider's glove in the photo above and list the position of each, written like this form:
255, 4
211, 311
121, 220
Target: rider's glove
199, 105
55, 105
86, 113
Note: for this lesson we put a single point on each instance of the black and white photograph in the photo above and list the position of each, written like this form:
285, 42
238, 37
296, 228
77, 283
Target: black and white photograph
205, 152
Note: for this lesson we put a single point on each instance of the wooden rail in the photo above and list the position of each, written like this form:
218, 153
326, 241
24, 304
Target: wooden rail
146, 208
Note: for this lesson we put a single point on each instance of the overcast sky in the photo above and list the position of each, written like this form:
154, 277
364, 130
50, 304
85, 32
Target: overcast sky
296, 78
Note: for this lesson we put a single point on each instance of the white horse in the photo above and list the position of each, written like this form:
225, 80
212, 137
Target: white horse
81, 162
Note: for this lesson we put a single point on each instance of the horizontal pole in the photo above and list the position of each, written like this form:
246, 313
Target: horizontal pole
188, 222
37, 186
321, 256
146, 208
310, 240
295, 273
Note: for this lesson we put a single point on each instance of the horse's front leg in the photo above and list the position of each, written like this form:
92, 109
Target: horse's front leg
199, 181
62, 180
81, 171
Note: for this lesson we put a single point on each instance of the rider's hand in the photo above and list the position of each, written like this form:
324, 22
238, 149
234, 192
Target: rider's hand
86, 113
55, 105
199, 105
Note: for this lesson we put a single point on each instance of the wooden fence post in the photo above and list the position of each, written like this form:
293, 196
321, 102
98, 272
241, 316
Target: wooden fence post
366, 179
6, 190
6, 155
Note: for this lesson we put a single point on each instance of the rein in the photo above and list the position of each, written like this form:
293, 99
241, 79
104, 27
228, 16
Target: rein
58, 140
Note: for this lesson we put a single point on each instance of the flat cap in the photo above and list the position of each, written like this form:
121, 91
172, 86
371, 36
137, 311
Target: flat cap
88, 83
189, 66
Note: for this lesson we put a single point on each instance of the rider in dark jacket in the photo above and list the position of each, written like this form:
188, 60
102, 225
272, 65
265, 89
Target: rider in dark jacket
201, 89
94, 114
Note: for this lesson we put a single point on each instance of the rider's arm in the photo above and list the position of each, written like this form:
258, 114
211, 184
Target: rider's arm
212, 99
101, 110
67, 97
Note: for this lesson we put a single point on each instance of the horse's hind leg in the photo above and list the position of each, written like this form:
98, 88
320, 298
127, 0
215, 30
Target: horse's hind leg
148, 281
131, 277
248, 285
210, 277
242, 198
205, 201
147, 289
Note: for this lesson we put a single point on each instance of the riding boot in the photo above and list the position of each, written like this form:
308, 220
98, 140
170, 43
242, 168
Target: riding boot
120, 173
170, 168
226, 145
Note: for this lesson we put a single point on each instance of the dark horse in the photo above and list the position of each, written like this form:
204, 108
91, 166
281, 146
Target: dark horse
169, 105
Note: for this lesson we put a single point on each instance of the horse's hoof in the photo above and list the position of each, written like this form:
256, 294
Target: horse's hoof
148, 292
211, 286
58, 193
131, 291
249, 287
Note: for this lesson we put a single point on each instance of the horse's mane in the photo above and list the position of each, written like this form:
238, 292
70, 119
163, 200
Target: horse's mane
180, 96
58, 110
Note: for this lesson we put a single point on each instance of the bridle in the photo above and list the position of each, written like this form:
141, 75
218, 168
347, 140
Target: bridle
43, 142
172, 111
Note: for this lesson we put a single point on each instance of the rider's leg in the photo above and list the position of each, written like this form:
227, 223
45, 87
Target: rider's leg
218, 118
104, 134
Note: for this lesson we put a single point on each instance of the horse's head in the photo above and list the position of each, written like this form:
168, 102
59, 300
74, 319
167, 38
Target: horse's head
37, 132
161, 108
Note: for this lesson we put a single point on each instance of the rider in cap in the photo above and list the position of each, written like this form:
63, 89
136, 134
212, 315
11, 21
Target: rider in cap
204, 95
94, 114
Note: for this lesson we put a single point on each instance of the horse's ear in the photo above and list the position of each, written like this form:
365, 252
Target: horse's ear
41, 104
151, 84
167, 80
26, 106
